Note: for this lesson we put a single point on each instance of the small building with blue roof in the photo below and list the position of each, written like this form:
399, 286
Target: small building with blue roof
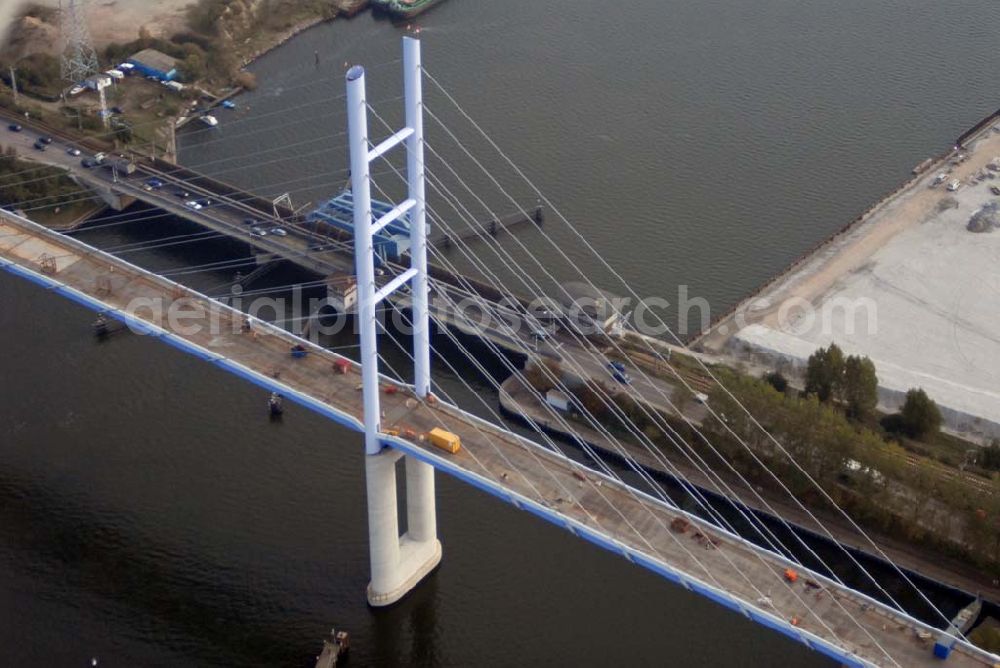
156, 64
390, 242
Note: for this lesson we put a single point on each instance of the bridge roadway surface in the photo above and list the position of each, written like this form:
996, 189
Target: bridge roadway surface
483, 316
597, 508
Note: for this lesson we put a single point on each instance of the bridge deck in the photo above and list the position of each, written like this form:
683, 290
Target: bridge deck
594, 507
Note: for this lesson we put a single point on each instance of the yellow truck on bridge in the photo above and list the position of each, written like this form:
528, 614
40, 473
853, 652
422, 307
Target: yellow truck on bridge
444, 440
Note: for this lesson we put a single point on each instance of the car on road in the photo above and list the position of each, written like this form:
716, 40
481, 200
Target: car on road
39, 145
954, 185
279, 231
618, 372
258, 231
193, 204
14, 127
153, 184
75, 152
89, 163
45, 140
995, 190
183, 194
205, 202
251, 221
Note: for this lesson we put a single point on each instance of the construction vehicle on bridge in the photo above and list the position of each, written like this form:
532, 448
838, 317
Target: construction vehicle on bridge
445, 440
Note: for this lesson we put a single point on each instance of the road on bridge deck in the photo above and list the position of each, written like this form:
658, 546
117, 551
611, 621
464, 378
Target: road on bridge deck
530, 473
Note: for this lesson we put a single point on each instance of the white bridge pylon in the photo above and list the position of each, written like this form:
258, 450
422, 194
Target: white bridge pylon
398, 563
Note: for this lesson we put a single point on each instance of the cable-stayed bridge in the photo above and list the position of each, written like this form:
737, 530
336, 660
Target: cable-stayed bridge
645, 527
231, 212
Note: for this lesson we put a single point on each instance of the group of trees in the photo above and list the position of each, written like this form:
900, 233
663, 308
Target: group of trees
864, 473
37, 74
48, 186
989, 457
852, 382
193, 52
816, 437
219, 28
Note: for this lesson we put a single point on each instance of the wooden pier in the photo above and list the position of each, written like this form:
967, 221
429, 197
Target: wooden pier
334, 648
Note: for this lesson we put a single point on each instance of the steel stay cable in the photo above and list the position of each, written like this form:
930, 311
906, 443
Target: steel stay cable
820, 524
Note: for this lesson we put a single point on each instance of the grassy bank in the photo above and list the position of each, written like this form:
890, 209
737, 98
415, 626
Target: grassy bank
36, 188
818, 454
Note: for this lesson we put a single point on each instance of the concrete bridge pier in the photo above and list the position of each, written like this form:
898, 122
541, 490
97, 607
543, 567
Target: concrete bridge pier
399, 563
111, 197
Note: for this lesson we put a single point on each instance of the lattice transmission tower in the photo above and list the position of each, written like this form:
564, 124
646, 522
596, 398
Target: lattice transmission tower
79, 59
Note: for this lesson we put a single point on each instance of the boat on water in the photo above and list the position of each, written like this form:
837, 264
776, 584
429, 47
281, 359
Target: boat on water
276, 405
210, 120
403, 9
105, 326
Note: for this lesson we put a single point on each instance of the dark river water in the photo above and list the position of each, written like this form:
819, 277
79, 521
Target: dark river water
150, 516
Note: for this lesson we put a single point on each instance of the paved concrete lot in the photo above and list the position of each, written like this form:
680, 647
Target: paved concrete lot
911, 288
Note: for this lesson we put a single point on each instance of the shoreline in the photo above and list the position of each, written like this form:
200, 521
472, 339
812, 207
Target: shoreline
521, 404
890, 286
720, 331
284, 38
301, 27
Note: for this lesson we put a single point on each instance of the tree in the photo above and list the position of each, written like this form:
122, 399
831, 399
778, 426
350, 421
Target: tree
589, 397
193, 68
145, 37
246, 80
545, 376
989, 457
123, 132
825, 373
920, 415
860, 386
777, 381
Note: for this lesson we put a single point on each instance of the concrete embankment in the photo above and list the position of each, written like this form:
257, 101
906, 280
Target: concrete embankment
726, 324
909, 284
945, 578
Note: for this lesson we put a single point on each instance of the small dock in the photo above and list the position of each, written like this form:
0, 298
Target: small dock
491, 228
334, 648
